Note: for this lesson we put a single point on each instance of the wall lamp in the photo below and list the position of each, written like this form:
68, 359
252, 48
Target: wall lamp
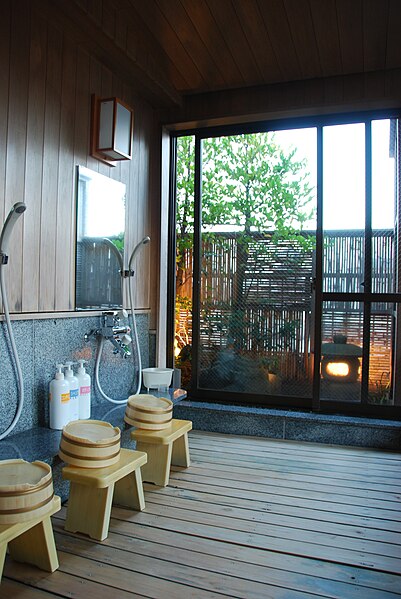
111, 130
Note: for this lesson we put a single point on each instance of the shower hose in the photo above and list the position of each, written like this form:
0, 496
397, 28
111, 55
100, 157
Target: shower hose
15, 354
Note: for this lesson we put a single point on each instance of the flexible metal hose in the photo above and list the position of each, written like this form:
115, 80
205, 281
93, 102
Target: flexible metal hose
20, 379
138, 353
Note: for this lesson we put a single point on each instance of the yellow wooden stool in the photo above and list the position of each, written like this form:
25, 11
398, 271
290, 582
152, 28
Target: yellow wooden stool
93, 490
164, 448
31, 542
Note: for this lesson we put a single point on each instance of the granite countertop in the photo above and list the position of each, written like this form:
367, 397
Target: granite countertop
42, 443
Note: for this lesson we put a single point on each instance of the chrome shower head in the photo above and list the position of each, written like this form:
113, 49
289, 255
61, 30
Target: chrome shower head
16, 211
136, 249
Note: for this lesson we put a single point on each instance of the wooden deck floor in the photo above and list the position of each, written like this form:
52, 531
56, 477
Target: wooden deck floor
251, 518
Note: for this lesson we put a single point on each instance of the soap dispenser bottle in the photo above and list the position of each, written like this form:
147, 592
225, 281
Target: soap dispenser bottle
74, 391
84, 381
59, 400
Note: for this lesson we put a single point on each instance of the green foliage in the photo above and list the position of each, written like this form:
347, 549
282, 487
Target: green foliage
119, 242
380, 390
248, 181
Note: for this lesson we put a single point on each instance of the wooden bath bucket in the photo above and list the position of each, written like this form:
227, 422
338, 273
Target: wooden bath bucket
90, 444
149, 412
26, 490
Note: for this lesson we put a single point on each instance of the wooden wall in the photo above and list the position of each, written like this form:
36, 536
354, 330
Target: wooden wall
46, 82
328, 95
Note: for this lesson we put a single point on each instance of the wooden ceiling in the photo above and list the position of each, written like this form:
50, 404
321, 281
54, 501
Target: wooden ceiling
222, 44
176, 48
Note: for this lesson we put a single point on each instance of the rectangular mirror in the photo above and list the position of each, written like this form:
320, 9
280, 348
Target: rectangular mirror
99, 241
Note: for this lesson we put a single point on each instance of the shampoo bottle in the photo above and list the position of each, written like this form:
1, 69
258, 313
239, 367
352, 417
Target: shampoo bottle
84, 381
74, 391
59, 400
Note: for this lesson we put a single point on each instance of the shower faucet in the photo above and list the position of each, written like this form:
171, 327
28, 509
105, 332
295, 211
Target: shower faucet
112, 330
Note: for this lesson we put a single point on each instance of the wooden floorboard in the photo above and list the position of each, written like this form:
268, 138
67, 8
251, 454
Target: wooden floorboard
251, 518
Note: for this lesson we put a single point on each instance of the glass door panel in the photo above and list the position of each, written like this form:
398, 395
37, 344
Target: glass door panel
383, 206
184, 224
257, 243
343, 208
381, 354
341, 362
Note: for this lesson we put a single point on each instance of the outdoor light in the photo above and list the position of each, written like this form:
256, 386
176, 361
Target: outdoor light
112, 124
339, 369
341, 360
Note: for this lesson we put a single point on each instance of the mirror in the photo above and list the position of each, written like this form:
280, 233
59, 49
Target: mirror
99, 241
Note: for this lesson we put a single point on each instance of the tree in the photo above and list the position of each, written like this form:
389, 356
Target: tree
250, 182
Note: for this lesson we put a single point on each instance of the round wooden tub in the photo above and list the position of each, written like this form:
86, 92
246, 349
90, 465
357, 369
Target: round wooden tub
26, 490
149, 412
90, 444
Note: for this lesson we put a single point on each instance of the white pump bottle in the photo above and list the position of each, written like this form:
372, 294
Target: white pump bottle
59, 400
74, 391
84, 381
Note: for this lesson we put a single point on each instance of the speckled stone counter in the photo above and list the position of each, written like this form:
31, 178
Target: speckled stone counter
42, 343
42, 443
297, 426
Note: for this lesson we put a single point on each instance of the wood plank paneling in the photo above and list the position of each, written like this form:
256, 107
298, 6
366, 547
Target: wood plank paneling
158, 24
324, 17
51, 152
45, 94
375, 22
304, 38
252, 23
16, 140
350, 21
212, 38
276, 23
195, 46
393, 34
4, 85
222, 528
82, 108
238, 44
205, 58
34, 162
65, 217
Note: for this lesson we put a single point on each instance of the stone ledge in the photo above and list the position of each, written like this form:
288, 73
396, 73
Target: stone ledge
291, 425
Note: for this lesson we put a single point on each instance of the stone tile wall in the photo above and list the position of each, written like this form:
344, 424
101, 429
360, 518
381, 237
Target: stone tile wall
44, 342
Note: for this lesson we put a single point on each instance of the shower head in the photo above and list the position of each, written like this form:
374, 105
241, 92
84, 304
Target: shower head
136, 249
13, 215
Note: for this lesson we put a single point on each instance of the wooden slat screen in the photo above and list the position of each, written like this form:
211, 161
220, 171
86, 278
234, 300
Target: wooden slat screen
277, 310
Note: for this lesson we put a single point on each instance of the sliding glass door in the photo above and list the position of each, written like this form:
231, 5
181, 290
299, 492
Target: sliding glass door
287, 284
360, 229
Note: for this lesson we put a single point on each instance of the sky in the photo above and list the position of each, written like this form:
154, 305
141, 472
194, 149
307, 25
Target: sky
344, 172
104, 208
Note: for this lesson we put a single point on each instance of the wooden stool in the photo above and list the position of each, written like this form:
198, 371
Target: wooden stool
31, 542
165, 447
93, 490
